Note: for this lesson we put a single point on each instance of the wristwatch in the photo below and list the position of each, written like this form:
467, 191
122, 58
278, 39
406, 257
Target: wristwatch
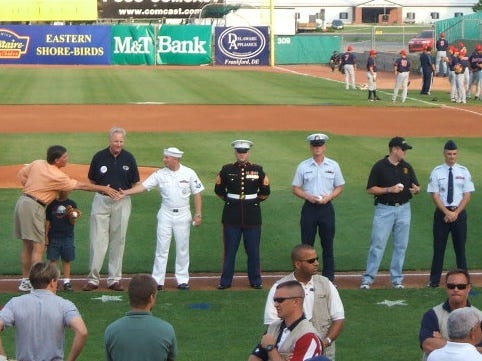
269, 348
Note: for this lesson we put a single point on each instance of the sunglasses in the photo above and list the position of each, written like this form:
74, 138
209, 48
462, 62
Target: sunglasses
311, 260
460, 286
282, 299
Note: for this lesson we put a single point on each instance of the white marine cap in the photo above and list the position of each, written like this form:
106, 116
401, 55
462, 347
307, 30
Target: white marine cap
317, 139
242, 145
173, 152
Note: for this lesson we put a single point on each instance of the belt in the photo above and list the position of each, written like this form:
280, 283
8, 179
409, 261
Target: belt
392, 204
242, 196
35, 199
451, 208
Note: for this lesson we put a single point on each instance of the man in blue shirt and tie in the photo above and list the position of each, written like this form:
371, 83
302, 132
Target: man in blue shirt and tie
451, 187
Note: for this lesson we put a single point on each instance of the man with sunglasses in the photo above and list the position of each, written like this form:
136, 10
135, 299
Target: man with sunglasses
318, 181
242, 186
392, 182
322, 304
451, 188
433, 331
292, 337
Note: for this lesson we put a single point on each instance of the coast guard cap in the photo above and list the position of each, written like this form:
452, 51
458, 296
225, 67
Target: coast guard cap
317, 139
173, 152
450, 145
242, 145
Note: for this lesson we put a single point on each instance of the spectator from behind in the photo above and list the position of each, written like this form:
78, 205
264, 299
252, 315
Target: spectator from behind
40, 318
139, 336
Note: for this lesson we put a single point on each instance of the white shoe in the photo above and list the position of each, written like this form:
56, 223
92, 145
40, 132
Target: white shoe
398, 286
25, 285
364, 286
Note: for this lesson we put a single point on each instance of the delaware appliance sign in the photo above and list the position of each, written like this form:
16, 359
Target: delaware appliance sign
242, 45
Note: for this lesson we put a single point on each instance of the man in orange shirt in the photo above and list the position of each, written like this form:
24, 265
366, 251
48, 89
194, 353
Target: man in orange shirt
42, 182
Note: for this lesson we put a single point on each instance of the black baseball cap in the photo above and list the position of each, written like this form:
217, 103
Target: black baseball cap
399, 142
450, 145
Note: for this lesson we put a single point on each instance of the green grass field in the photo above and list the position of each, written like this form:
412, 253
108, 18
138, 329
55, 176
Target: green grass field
214, 325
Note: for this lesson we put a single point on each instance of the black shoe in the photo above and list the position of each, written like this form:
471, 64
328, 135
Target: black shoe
68, 287
183, 286
223, 287
432, 285
257, 286
160, 287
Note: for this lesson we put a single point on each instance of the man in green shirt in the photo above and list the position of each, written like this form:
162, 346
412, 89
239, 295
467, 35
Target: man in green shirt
139, 336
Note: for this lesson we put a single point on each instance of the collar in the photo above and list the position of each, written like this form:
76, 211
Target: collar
446, 306
293, 325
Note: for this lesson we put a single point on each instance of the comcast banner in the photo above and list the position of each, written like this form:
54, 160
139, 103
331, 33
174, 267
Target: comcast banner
184, 45
153, 9
48, 10
45, 44
133, 45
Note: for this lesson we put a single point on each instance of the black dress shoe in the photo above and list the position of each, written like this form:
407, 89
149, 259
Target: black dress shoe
432, 285
160, 287
222, 287
257, 287
183, 286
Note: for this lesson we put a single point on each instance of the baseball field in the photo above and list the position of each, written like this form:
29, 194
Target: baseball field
201, 110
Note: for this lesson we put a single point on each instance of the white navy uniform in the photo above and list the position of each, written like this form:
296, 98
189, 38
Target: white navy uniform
174, 218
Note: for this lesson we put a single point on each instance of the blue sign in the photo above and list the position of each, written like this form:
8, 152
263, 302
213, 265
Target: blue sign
41, 44
242, 45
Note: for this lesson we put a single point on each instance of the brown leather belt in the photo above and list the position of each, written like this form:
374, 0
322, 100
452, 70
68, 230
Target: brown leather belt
35, 199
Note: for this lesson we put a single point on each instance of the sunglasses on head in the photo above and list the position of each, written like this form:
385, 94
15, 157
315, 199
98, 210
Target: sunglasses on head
460, 286
311, 260
282, 299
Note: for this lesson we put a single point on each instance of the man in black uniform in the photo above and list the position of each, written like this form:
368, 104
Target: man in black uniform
428, 69
242, 186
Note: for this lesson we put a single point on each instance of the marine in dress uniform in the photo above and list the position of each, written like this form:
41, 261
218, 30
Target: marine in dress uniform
242, 186
451, 187
318, 180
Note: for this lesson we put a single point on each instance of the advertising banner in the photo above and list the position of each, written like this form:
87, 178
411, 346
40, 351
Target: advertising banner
184, 44
45, 44
133, 44
48, 10
242, 45
153, 9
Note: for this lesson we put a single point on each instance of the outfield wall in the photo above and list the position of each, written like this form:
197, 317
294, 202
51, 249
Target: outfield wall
158, 45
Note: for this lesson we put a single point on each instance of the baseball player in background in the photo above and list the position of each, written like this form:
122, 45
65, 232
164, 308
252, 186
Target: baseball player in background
348, 60
372, 76
402, 71
176, 183
442, 46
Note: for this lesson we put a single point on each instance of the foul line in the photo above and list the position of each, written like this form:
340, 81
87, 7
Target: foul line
450, 107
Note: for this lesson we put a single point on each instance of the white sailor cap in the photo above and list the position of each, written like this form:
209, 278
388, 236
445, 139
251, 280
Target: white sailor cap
173, 152
317, 139
242, 145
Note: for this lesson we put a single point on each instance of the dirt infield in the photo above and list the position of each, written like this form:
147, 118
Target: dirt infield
357, 121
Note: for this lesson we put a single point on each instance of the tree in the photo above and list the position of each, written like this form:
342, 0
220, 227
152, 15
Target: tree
478, 6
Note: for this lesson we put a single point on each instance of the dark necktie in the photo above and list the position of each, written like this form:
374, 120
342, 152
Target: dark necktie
450, 188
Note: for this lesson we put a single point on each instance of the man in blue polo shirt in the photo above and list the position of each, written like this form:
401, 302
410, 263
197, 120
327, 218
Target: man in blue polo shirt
116, 167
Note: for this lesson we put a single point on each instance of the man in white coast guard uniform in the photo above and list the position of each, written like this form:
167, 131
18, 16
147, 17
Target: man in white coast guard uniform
176, 183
